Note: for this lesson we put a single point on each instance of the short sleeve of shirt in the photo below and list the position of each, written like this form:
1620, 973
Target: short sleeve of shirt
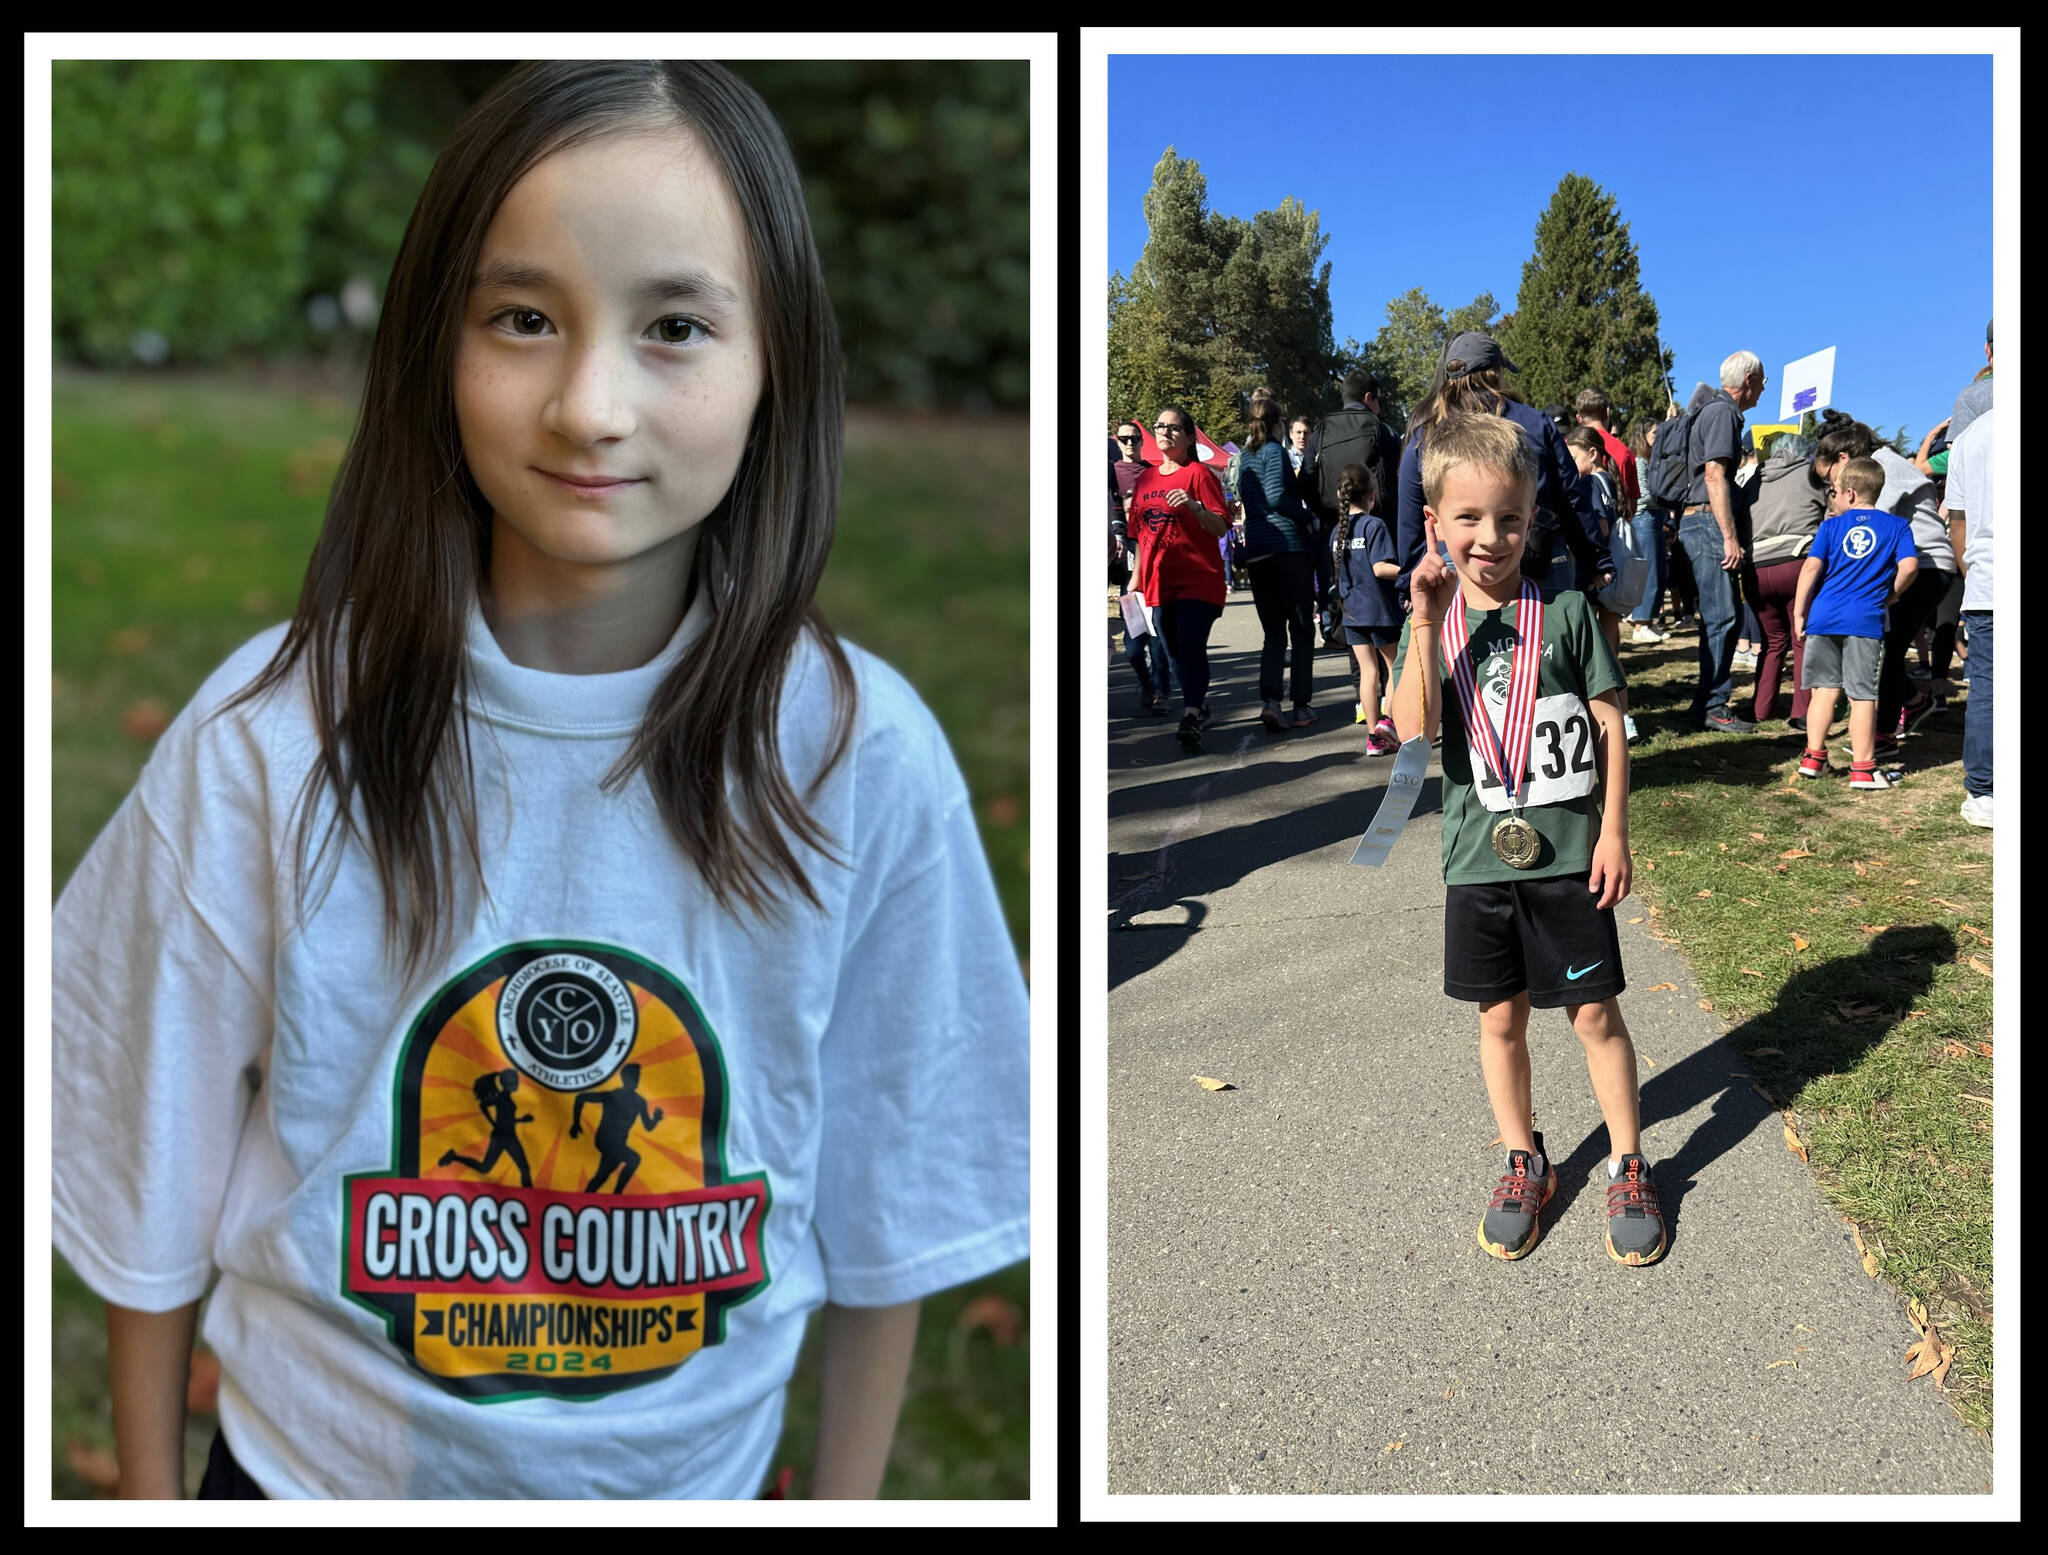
160, 1000
1202, 482
1379, 545
1714, 435
924, 1163
1589, 649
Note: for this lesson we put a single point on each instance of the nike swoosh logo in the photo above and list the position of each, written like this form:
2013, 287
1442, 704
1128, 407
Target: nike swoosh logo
1572, 976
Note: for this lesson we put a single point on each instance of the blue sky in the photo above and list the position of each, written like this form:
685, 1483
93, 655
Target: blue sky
1841, 200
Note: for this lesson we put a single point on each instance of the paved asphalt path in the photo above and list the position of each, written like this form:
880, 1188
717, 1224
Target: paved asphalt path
1294, 1280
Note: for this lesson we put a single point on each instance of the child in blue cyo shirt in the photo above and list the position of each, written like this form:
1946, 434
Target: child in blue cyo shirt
1862, 559
1364, 554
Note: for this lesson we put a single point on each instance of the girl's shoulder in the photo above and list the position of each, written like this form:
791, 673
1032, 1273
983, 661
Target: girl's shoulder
894, 738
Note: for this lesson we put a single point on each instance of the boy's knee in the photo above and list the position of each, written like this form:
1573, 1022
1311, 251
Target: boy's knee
1598, 1022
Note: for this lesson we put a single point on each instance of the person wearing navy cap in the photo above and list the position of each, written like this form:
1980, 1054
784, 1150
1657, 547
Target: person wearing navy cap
1469, 379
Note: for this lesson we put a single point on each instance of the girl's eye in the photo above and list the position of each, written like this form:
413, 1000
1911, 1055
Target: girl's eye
696, 330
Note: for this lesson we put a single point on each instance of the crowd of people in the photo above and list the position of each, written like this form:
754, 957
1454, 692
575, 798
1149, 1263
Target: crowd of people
1861, 571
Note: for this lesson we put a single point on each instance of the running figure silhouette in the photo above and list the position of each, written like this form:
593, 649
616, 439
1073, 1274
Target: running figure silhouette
622, 1108
494, 1099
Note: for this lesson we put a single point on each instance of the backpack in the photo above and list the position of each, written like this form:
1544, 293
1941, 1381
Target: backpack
1350, 437
1669, 479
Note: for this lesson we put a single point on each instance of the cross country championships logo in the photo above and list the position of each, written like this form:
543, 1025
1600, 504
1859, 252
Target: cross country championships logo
557, 1217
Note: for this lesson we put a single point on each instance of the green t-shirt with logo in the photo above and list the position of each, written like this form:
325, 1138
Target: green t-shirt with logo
1563, 777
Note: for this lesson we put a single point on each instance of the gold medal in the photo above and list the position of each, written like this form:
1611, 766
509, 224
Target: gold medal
1516, 842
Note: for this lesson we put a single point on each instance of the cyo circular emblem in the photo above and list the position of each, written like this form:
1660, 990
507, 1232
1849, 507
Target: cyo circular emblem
566, 1021
1859, 541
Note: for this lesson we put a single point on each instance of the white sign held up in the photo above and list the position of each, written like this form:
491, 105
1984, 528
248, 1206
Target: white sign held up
1807, 384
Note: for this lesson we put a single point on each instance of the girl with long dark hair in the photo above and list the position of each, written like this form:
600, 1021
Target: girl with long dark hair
597, 783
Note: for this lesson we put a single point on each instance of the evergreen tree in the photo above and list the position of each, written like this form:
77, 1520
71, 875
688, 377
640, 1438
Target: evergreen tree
1582, 319
1404, 354
1218, 305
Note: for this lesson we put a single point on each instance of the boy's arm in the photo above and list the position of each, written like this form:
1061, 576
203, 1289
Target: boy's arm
149, 1359
1809, 584
1611, 873
863, 1361
1903, 575
1385, 569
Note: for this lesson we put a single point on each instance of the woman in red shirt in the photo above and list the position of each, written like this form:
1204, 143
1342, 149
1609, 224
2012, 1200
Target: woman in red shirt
1178, 512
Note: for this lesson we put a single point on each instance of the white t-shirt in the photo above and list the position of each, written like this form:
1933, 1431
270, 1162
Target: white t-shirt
1969, 488
841, 1097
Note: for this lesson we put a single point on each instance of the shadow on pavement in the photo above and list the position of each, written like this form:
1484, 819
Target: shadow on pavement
1812, 1035
1210, 862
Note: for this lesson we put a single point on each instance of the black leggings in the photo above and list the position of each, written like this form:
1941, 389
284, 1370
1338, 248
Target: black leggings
1184, 624
1942, 626
1908, 614
1283, 591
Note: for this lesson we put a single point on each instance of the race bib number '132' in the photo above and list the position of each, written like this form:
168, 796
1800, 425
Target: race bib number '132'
1562, 755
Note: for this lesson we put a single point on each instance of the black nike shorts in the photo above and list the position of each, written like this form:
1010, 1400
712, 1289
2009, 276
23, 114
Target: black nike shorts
1544, 937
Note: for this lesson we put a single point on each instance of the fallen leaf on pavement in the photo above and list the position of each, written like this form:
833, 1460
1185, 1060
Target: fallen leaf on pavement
997, 1315
1986, 938
1395, 1446
1942, 901
1923, 1357
1797, 853
1792, 1143
1954, 1049
1748, 972
1653, 911
1859, 869
95, 1465
1703, 893
1646, 1058
1660, 988
1799, 1349
1776, 1364
1916, 1313
1635, 920
1973, 1096
1674, 853
1870, 1264
1798, 942
1706, 1004
1978, 966
1984, 1048
1872, 928
1856, 1236
1801, 1328
1941, 1370
1747, 902
1208, 1084
1757, 836
1912, 882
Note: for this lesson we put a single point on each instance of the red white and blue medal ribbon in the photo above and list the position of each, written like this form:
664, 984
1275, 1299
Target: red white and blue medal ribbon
1506, 754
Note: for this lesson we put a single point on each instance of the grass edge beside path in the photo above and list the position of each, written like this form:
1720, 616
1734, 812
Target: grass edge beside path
1847, 940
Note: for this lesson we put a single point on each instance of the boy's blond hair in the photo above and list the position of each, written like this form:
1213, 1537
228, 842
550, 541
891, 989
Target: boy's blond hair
1491, 442
1865, 477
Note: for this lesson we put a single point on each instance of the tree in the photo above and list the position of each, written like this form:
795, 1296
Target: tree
1218, 304
1582, 319
1404, 354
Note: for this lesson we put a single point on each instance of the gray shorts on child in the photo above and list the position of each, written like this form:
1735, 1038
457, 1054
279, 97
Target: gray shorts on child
1848, 662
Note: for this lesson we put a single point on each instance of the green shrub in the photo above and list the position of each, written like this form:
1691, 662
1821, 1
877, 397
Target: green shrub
207, 207
186, 197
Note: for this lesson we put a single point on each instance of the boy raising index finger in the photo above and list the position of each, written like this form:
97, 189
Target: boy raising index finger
1535, 831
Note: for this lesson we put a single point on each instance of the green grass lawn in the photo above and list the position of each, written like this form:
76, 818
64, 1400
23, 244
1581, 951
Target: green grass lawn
1847, 939
183, 514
